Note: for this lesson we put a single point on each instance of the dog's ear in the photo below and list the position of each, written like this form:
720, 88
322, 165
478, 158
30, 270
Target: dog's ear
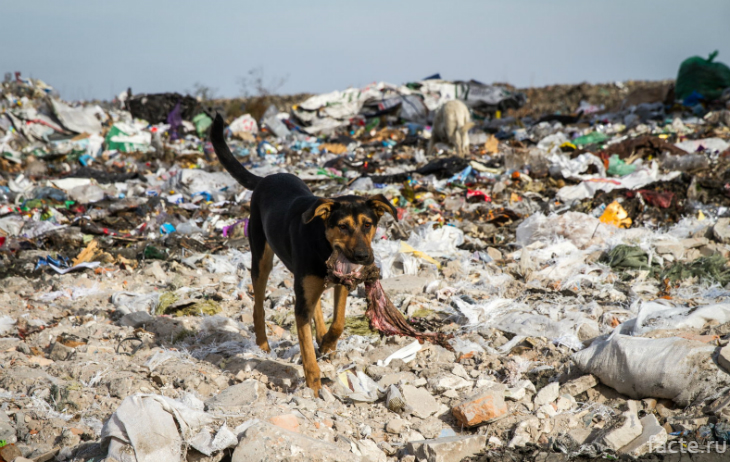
381, 205
321, 208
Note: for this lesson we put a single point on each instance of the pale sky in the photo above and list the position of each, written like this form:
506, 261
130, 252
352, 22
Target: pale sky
96, 48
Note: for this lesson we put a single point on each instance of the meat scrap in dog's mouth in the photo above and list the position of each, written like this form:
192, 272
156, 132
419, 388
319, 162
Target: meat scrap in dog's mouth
384, 316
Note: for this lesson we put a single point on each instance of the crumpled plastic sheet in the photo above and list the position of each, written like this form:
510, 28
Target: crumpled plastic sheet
130, 302
640, 178
406, 354
575, 168
356, 386
196, 180
579, 228
157, 428
7, 324
663, 314
422, 248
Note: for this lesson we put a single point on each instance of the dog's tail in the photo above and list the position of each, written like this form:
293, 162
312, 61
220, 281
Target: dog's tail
465, 128
234, 167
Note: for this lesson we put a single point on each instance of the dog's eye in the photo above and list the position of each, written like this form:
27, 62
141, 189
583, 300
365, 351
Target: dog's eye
343, 227
367, 225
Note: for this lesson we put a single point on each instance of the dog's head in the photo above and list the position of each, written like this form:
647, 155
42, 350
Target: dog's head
350, 223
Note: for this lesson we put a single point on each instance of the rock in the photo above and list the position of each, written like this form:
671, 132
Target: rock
665, 408
40, 360
723, 359
627, 431
369, 451
649, 404
431, 428
236, 397
60, 352
515, 394
22, 459
412, 435
395, 378
546, 410
135, 319
279, 373
525, 432
565, 403
7, 430
121, 387
494, 254
459, 371
580, 435
326, 395
286, 421
265, 442
547, 394
670, 248
721, 230
577, 386
10, 452
481, 407
405, 284
451, 394
422, 402
396, 426
686, 423
446, 382
652, 436
451, 449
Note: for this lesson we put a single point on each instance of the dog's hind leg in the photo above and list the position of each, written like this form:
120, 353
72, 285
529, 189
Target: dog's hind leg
262, 258
329, 343
458, 138
308, 291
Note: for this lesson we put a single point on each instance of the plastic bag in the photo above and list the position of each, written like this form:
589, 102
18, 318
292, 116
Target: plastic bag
579, 228
356, 387
697, 74
618, 167
672, 368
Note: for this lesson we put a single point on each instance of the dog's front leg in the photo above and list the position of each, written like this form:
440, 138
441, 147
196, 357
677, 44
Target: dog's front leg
329, 342
319, 324
308, 290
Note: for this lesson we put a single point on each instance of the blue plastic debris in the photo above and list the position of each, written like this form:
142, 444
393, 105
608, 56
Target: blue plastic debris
462, 176
167, 228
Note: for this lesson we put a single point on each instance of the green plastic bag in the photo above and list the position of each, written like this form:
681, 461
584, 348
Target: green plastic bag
202, 122
618, 167
591, 138
122, 146
703, 76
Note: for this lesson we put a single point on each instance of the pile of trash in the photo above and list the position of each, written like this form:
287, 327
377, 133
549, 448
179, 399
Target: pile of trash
578, 261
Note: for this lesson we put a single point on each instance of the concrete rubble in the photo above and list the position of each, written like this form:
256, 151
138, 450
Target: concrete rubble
578, 255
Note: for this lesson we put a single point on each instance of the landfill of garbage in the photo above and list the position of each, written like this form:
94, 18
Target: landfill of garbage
576, 256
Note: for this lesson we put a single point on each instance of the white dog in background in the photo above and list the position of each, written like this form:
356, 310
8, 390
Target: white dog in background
451, 125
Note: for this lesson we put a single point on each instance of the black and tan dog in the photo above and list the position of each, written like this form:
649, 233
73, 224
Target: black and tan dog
302, 230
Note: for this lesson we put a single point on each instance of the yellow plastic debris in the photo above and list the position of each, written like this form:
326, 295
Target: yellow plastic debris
405, 248
616, 215
568, 144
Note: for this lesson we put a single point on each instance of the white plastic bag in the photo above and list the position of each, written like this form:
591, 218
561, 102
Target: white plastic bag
672, 368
